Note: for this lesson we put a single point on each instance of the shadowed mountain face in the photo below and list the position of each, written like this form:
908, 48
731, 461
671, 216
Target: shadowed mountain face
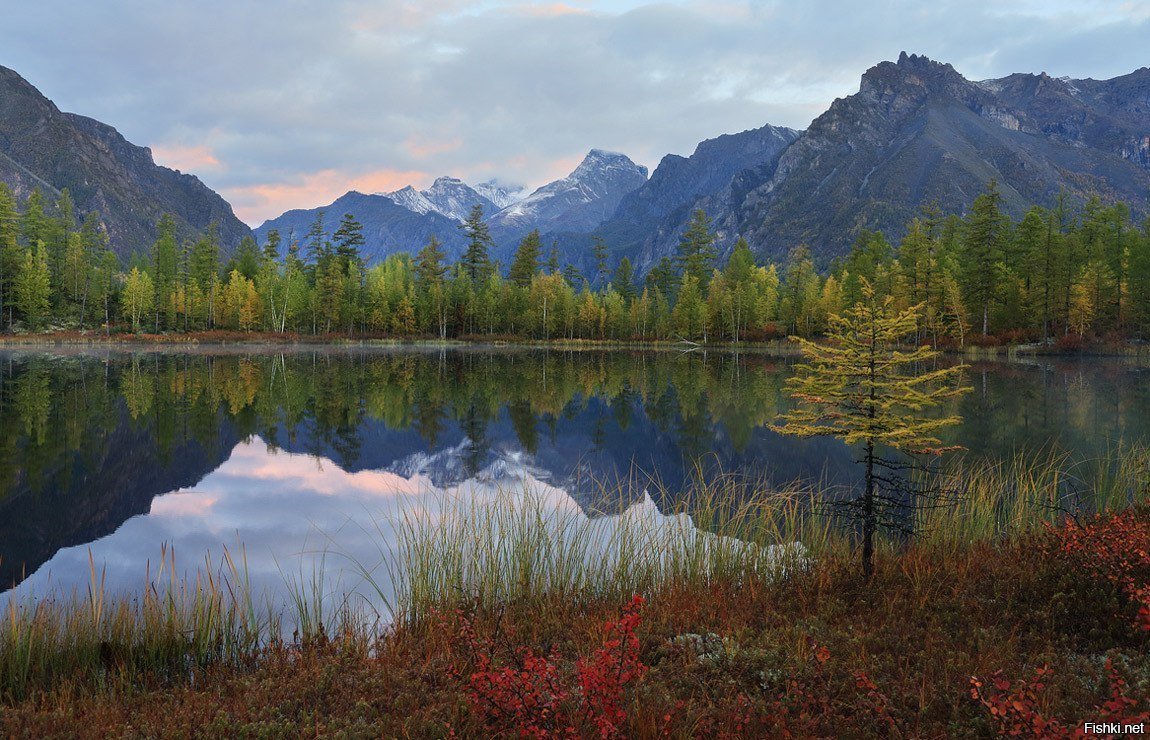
90, 441
42, 147
649, 221
918, 133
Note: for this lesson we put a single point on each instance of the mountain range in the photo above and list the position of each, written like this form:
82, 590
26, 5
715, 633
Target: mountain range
916, 133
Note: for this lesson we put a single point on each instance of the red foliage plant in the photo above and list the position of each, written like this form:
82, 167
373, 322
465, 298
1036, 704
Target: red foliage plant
1014, 706
1116, 548
538, 696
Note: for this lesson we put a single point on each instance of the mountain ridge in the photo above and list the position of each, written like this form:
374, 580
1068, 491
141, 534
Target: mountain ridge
42, 146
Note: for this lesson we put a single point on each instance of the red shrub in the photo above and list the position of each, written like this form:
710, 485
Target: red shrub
540, 696
1014, 706
1116, 548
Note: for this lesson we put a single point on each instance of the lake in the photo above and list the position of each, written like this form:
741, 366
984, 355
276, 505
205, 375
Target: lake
301, 459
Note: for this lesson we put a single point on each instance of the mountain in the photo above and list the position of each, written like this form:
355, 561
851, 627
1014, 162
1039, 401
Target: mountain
448, 196
499, 194
42, 147
388, 226
919, 133
649, 220
579, 202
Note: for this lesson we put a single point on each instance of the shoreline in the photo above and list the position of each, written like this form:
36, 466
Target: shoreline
275, 340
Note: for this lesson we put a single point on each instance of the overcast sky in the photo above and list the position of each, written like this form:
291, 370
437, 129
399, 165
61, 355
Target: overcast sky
288, 104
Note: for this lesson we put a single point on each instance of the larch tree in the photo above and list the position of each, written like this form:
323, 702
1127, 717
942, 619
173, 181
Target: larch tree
138, 296
861, 388
33, 288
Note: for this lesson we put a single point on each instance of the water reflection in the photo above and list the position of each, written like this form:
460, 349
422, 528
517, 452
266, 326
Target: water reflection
289, 453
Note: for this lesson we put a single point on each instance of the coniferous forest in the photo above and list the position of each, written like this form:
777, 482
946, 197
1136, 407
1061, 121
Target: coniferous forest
1061, 273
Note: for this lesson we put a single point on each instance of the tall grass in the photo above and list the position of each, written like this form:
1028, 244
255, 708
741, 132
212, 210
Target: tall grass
519, 546
980, 500
528, 547
175, 627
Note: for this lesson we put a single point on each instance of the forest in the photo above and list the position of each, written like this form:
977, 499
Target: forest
1064, 273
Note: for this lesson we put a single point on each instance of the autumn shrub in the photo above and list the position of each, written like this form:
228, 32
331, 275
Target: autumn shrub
1016, 707
541, 695
1114, 548
1070, 344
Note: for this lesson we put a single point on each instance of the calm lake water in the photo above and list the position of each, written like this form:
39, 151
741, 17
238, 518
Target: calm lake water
303, 456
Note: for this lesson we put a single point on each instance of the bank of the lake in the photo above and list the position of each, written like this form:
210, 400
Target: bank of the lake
1033, 634
993, 348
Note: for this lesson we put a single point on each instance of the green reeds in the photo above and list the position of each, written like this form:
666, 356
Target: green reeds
520, 545
176, 626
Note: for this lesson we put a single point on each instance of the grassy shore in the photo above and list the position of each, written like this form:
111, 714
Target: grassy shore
514, 620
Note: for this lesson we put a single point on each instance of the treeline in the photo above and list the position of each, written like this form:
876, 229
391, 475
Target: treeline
1059, 272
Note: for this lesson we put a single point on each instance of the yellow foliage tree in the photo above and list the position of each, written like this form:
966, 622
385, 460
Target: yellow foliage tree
860, 388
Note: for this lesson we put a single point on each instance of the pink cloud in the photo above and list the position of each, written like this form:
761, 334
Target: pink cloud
186, 158
183, 503
256, 203
553, 10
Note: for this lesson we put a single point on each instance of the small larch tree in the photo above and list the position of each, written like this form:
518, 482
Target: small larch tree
861, 388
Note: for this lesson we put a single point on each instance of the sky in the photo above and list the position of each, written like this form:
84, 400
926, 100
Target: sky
281, 104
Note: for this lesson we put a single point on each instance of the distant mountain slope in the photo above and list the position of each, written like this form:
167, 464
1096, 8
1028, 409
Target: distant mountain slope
650, 219
917, 132
387, 226
579, 202
42, 147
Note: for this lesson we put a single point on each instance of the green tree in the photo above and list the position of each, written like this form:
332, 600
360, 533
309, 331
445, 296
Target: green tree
33, 289
696, 252
599, 252
164, 265
624, 280
863, 390
476, 258
10, 257
982, 253
138, 296
525, 265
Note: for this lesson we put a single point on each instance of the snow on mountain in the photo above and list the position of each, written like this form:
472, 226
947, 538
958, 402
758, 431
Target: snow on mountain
501, 195
579, 202
447, 196
412, 200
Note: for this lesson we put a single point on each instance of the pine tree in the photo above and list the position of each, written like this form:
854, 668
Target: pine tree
272, 246
476, 258
861, 388
983, 253
696, 252
624, 280
525, 265
599, 252
348, 240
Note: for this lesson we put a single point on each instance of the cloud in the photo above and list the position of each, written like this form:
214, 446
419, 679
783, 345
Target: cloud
297, 105
252, 203
199, 159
